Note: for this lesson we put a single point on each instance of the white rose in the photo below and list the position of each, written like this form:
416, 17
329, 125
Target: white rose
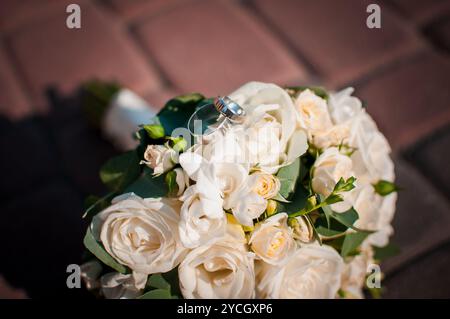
265, 185
343, 106
329, 167
141, 234
182, 180
312, 113
313, 272
375, 213
160, 158
354, 274
269, 133
272, 240
303, 230
202, 217
222, 270
119, 286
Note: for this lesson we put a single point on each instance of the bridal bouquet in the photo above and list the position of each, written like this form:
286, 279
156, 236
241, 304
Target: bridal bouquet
294, 201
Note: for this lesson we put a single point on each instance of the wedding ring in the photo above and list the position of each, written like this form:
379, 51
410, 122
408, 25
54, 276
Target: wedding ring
229, 108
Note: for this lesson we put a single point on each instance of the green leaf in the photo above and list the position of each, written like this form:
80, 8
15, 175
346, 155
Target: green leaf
148, 185
352, 241
171, 182
344, 185
331, 229
156, 294
154, 131
172, 278
382, 253
315, 233
347, 218
295, 90
120, 171
157, 281
298, 201
178, 110
98, 251
384, 188
288, 176
97, 204
96, 97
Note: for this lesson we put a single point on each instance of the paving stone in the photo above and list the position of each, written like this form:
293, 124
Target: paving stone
334, 38
13, 101
15, 13
53, 55
215, 47
27, 158
134, 8
431, 157
422, 11
411, 100
427, 277
42, 233
422, 219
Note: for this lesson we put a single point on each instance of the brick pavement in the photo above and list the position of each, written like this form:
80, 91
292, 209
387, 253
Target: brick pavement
160, 48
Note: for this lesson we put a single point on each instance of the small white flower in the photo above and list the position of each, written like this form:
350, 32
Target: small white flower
272, 240
160, 158
202, 219
313, 272
265, 185
182, 180
312, 113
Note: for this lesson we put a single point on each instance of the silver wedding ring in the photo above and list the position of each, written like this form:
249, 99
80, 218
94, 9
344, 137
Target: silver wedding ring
229, 108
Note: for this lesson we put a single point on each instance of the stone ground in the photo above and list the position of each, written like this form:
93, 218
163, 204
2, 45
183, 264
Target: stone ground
160, 48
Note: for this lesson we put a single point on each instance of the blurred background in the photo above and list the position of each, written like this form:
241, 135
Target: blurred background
50, 156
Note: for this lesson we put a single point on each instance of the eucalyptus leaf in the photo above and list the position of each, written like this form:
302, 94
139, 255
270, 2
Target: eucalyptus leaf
120, 171
288, 176
156, 294
98, 251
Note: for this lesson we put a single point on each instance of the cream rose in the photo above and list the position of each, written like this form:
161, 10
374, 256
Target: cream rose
272, 240
354, 273
141, 234
329, 167
202, 217
269, 134
160, 158
312, 113
313, 272
303, 230
118, 286
182, 180
222, 270
265, 185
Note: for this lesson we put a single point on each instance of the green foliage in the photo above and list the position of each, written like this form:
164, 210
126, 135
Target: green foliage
157, 281
96, 97
288, 176
120, 171
171, 182
96, 204
352, 241
385, 188
148, 185
156, 294
294, 91
154, 131
98, 251
382, 253
177, 111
